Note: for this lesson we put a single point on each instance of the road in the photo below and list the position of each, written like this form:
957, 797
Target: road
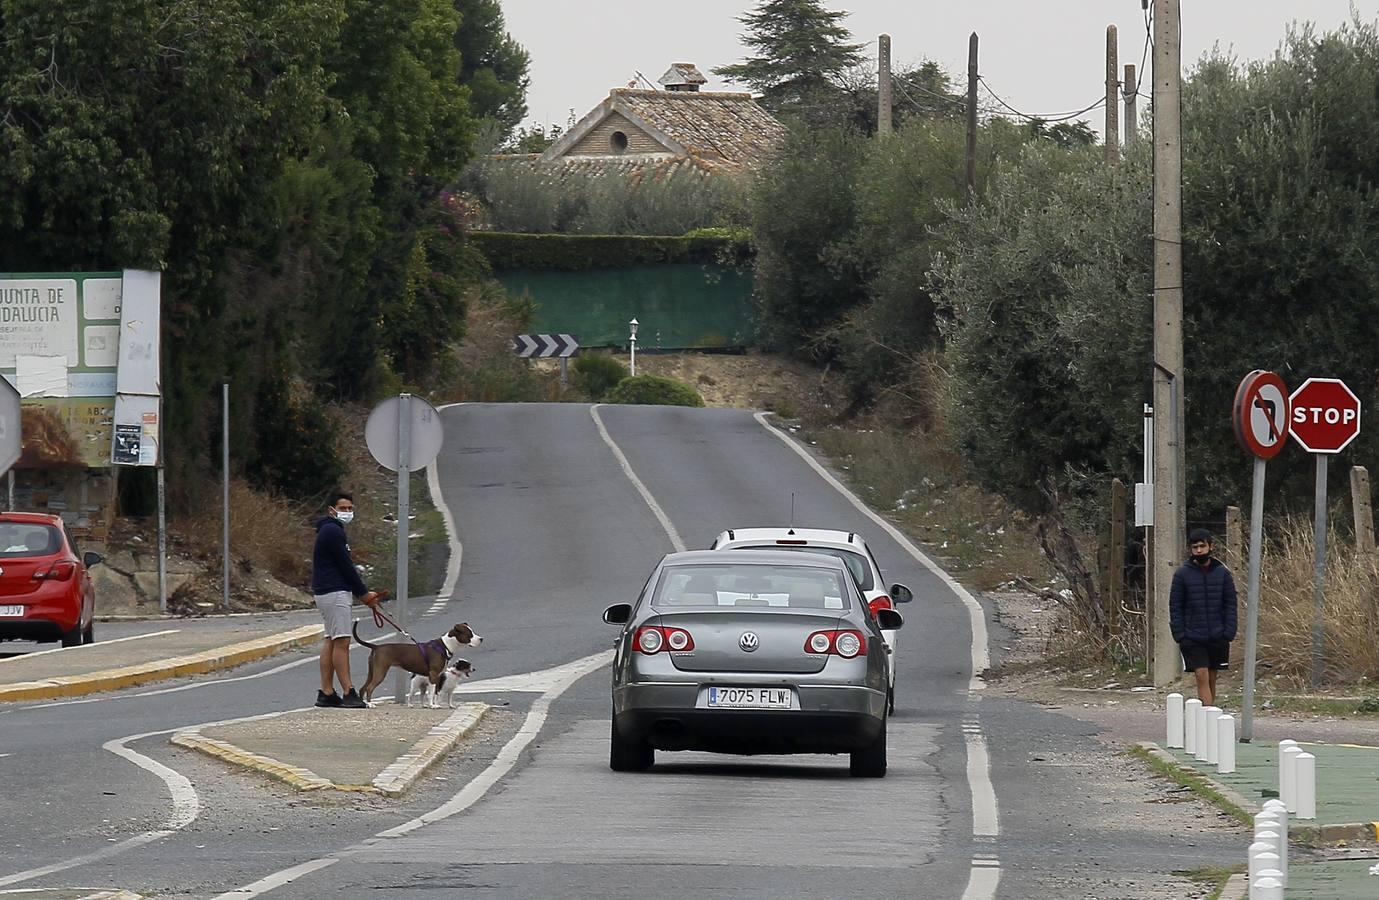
561, 510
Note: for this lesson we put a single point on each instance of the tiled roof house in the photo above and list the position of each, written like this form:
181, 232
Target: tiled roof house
653, 133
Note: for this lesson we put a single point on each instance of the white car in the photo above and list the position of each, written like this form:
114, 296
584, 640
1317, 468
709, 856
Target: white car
845, 545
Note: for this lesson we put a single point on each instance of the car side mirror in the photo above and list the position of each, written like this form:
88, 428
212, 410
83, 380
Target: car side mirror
618, 614
901, 594
889, 619
92, 558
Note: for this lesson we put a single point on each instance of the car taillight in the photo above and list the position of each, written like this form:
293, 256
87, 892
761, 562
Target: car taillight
58, 572
846, 644
652, 639
882, 602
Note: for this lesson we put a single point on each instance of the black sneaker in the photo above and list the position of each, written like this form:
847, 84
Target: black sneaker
324, 699
353, 701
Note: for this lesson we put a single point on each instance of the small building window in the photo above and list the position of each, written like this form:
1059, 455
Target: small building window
618, 141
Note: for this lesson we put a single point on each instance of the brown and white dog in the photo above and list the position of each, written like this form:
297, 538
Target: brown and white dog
432, 694
428, 659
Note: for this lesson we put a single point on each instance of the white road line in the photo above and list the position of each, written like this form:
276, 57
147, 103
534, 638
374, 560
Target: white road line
278, 879
660, 514
133, 637
981, 655
470, 794
986, 821
452, 567
186, 806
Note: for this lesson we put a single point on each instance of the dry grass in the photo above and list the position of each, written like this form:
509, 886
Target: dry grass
1351, 608
267, 532
486, 369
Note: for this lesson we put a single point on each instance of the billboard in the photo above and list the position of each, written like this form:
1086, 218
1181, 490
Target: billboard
60, 348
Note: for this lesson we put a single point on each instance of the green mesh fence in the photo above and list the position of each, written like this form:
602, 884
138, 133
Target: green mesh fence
680, 306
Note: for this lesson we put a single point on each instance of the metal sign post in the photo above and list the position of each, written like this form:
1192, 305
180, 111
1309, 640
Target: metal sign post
403, 433
1260, 415
225, 493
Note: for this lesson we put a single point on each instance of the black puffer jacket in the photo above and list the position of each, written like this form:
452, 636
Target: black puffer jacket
1201, 605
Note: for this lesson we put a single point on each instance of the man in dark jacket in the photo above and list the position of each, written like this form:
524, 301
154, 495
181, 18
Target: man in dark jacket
336, 582
1201, 612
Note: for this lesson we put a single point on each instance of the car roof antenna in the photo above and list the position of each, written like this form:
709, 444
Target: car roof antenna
792, 513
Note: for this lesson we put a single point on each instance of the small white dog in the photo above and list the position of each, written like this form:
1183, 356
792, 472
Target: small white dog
443, 688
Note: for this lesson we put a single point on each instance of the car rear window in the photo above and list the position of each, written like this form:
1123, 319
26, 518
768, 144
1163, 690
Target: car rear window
20, 539
729, 586
855, 561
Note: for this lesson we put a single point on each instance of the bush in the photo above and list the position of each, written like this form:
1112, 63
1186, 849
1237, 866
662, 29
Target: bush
654, 390
597, 374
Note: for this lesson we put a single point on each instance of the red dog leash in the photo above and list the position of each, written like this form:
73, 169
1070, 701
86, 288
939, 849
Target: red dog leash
380, 617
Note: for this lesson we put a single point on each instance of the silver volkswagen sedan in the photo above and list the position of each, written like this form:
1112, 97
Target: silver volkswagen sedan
750, 652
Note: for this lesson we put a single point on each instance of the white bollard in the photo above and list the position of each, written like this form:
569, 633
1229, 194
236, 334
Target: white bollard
1268, 886
1225, 744
1190, 720
1269, 839
1262, 856
1281, 812
1175, 720
1305, 785
1282, 746
1211, 716
1287, 777
1200, 712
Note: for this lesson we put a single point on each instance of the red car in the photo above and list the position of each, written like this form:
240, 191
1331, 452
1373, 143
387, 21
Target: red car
45, 589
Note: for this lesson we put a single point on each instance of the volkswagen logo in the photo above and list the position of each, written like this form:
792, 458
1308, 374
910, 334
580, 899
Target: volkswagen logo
749, 642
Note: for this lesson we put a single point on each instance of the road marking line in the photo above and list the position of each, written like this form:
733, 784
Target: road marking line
981, 655
186, 806
660, 514
984, 879
470, 794
278, 879
134, 637
452, 566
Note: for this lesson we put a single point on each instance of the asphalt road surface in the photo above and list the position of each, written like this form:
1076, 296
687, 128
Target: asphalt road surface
561, 510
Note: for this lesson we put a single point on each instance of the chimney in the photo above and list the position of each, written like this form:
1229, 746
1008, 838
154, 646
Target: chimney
683, 78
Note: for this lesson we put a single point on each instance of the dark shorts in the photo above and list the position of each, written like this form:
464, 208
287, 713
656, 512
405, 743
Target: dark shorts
1205, 654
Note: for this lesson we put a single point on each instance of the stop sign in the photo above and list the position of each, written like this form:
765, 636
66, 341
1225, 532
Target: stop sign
1325, 415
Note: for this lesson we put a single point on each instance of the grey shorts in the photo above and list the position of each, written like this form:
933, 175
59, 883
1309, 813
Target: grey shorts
335, 610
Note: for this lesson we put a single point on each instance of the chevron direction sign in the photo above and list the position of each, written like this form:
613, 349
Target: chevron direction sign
543, 346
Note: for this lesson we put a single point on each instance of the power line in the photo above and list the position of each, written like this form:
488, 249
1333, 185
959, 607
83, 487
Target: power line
1051, 117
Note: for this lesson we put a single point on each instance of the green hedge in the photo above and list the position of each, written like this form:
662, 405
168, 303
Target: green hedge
655, 390
577, 252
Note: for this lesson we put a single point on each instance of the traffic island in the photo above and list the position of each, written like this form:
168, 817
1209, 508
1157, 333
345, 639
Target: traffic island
381, 750
174, 653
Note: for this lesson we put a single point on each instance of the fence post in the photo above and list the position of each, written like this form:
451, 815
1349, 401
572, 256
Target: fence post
1235, 540
1364, 512
1115, 559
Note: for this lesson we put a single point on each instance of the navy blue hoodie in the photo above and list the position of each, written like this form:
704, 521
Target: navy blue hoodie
1201, 603
331, 567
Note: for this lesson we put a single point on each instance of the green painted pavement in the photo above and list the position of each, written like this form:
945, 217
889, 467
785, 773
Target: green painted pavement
1347, 779
1340, 880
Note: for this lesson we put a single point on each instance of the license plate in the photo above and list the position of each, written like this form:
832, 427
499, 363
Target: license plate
749, 698
11, 612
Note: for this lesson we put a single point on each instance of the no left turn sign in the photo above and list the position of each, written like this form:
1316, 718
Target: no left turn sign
1261, 414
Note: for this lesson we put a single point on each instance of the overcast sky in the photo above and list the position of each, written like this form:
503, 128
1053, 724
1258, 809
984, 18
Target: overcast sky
1042, 56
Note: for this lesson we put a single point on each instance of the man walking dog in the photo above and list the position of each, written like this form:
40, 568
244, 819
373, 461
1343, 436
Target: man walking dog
1201, 613
336, 582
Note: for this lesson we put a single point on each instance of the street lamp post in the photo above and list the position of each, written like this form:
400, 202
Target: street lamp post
632, 342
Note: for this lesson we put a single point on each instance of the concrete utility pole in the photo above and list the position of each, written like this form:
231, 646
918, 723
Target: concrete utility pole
1170, 512
1130, 91
884, 86
972, 118
1112, 89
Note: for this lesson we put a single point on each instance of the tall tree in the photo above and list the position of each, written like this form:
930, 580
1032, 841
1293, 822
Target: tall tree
492, 65
803, 50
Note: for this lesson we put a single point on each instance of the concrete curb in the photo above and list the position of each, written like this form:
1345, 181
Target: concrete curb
393, 781
1237, 888
425, 753
1298, 833
225, 657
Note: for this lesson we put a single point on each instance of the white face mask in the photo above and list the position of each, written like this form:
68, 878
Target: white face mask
345, 516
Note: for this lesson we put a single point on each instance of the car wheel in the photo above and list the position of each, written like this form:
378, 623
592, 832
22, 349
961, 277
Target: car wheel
626, 755
88, 634
870, 761
890, 700
72, 638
